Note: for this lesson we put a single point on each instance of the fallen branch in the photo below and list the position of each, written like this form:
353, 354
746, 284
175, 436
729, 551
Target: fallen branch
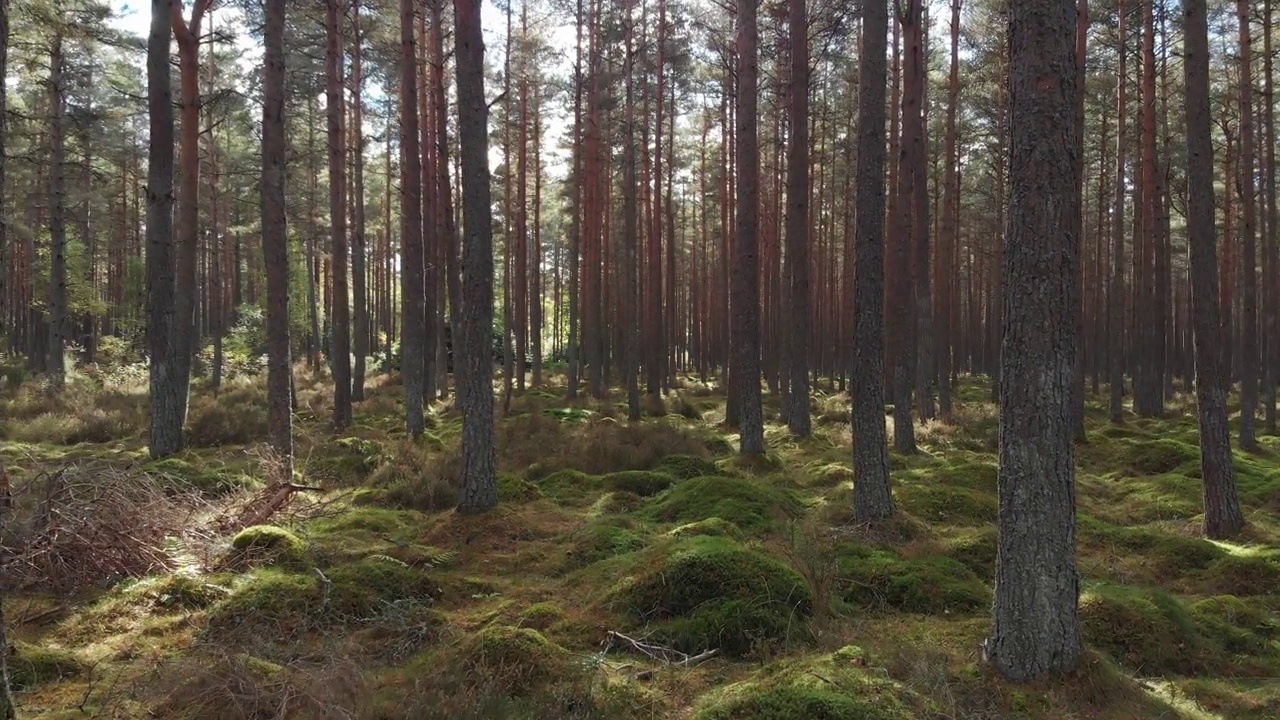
662, 653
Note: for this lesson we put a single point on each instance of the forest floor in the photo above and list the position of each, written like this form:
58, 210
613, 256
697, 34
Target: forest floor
371, 599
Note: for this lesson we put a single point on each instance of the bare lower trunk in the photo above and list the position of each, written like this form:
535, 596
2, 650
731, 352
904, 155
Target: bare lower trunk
746, 300
275, 245
1036, 630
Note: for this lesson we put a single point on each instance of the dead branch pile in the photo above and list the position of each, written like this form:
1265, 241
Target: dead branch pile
87, 524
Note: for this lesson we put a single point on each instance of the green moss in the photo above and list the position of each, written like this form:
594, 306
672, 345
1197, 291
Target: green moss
599, 541
828, 687
283, 605
184, 591
210, 482
752, 505
708, 592
349, 460
31, 666
953, 505
618, 503
1238, 626
716, 527
517, 659
641, 482
1234, 575
569, 487
930, 585
976, 550
1155, 633
268, 545
980, 476
1168, 555
512, 489
1156, 457
687, 467
541, 616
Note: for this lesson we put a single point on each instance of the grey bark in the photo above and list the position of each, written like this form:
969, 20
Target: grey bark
745, 305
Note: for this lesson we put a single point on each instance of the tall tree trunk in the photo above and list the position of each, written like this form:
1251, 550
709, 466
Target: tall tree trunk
1036, 630
915, 129
444, 186
631, 286
1082, 46
335, 109
7, 711
1271, 260
475, 387
413, 312
797, 256
576, 208
1222, 517
872, 498
184, 329
57, 218
948, 238
275, 244
1248, 265
746, 300
1117, 294
359, 252
166, 402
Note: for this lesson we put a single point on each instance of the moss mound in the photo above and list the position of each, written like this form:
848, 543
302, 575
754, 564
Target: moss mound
274, 604
710, 592
267, 545
1169, 555
1156, 457
184, 591
1239, 626
831, 687
213, 482
541, 616
929, 585
1156, 633
31, 666
618, 502
512, 489
1235, 575
979, 476
517, 659
752, 505
949, 504
641, 482
716, 527
600, 541
687, 467
569, 487
976, 550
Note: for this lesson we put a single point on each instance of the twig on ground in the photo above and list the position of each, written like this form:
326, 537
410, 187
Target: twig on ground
662, 653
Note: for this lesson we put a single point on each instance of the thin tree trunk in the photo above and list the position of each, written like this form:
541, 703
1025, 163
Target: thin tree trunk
746, 301
475, 387
413, 317
1270, 254
630, 220
1221, 504
1248, 266
797, 256
872, 498
359, 252
166, 402
1117, 296
335, 110
275, 245
948, 238
57, 224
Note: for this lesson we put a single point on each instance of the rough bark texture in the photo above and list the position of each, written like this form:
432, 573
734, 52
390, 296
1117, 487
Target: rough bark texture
872, 498
1115, 374
57, 365
948, 238
746, 275
915, 128
797, 256
576, 207
275, 244
335, 109
1036, 629
413, 311
631, 305
1248, 233
1270, 251
166, 403
475, 371
1077, 387
358, 252
1222, 516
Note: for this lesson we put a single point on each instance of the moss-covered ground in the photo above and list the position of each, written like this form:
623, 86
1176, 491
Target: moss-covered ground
370, 598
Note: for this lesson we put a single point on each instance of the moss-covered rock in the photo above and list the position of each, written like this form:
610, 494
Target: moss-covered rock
937, 585
687, 467
830, 687
752, 505
641, 482
267, 545
710, 592
31, 666
519, 659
